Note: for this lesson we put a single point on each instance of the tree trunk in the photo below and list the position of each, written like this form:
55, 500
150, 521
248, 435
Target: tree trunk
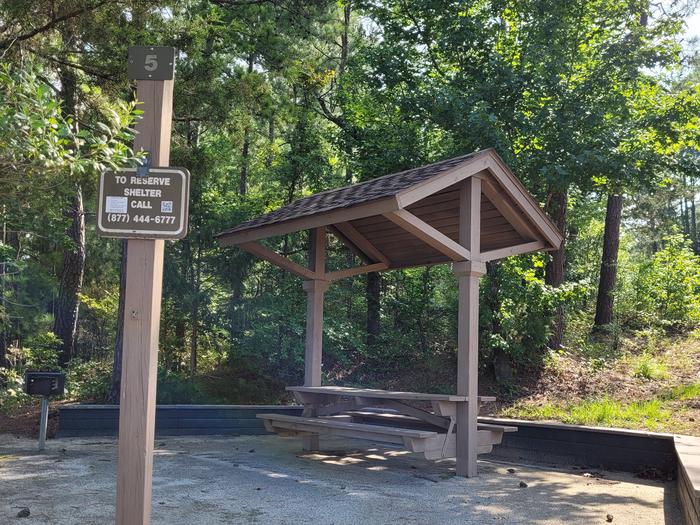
373, 294
194, 342
65, 323
608, 265
4, 342
502, 366
270, 140
196, 283
344, 39
694, 226
4, 339
685, 208
66, 307
690, 190
172, 363
9, 289
554, 271
115, 382
245, 159
245, 154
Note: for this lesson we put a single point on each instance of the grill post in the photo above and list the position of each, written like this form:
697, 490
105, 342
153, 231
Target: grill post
43, 422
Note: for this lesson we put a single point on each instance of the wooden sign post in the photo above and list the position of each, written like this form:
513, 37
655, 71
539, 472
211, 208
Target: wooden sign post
144, 279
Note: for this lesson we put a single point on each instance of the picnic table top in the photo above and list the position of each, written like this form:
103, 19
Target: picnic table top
378, 394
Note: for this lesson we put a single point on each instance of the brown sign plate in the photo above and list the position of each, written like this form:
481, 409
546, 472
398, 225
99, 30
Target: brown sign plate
150, 207
151, 63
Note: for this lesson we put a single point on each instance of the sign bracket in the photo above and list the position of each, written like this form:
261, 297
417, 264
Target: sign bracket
143, 168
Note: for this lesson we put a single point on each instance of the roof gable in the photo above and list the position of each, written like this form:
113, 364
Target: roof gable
512, 222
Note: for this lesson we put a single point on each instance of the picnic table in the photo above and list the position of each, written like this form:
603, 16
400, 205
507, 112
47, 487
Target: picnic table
423, 423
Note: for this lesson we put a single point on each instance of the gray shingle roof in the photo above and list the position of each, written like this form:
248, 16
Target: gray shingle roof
347, 196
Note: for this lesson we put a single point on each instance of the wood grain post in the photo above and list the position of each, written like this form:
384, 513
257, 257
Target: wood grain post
315, 290
468, 276
144, 279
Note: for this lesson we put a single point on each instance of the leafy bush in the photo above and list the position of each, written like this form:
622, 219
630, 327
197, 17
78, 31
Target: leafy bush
176, 388
12, 388
519, 321
43, 350
664, 290
88, 380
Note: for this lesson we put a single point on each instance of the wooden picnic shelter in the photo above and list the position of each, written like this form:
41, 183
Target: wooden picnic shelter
465, 211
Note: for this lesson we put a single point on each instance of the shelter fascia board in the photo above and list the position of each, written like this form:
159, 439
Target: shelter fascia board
511, 185
444, 180
367, 209
488, 161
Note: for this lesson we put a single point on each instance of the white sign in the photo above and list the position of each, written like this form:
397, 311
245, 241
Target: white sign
117, 205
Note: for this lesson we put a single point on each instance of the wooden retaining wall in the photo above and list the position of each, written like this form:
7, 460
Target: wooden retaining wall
593, 447
171, 420
688, 451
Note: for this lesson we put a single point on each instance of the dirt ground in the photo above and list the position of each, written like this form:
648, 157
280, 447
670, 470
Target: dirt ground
266, 479
24, 420
572, 377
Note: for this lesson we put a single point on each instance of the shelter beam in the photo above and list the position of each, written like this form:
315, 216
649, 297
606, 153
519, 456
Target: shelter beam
513, 250
429, 235
357, 270
518, 193
278, 260
350, 245
359, 240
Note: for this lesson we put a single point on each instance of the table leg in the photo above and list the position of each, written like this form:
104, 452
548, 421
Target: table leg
310, 442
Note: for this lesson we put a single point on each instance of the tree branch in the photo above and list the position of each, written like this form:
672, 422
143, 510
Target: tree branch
74, 65
51, 24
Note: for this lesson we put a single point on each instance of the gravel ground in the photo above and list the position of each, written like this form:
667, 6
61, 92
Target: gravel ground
267, 479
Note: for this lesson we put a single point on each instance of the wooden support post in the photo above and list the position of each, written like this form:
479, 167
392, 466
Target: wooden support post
144, 271
315, 290
468, 275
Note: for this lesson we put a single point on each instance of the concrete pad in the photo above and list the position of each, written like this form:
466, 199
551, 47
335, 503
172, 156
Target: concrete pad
267, 479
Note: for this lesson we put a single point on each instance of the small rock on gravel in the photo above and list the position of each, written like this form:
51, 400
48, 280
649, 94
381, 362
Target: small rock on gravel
609, 518
522, 485
511, 471
24, 513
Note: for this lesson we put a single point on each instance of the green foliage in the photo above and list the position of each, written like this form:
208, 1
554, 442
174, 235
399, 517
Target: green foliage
38, 141
665, 291
519, 320
98, 324
683, 392
175, 388
647, 367
42, 352
12, 389
88, 381
581, 97
598, 412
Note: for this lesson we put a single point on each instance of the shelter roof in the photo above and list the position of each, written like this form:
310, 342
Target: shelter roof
412, 218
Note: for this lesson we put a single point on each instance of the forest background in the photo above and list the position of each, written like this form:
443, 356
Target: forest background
594, 104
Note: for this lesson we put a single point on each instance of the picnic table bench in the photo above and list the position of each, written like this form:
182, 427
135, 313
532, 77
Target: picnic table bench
423, 423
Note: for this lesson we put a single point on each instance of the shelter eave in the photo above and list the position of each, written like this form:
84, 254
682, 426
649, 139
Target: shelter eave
338, 215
